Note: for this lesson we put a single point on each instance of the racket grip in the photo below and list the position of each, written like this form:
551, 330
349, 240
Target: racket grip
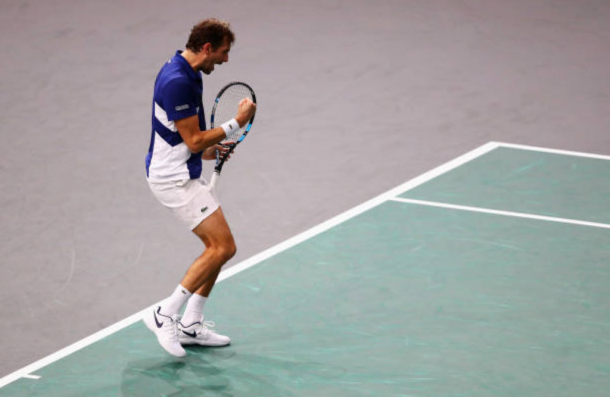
214, 180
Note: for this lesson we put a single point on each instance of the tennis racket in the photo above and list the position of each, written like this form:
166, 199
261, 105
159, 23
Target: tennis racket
225, 108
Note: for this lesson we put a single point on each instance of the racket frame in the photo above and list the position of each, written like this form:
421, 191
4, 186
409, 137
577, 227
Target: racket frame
221, 160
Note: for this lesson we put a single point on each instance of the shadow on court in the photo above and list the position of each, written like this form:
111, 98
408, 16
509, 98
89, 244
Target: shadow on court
219, 372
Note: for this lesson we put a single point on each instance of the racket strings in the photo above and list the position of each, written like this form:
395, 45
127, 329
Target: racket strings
227, 106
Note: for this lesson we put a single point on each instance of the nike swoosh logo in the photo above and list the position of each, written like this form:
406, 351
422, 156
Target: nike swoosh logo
191, 334
159, 325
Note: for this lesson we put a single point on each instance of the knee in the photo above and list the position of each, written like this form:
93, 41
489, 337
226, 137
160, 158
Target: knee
226, 250
230, 250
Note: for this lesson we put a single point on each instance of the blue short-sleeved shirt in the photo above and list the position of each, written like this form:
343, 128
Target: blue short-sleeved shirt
178, 95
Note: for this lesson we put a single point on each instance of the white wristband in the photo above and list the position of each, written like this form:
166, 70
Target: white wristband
230, 127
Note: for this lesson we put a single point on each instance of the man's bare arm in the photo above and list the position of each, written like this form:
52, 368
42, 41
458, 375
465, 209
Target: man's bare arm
195, 139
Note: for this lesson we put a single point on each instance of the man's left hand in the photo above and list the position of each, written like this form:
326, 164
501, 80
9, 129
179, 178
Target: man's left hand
210, 153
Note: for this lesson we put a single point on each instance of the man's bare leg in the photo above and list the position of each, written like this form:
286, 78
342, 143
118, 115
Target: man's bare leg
214, 232
200, 278
223, 237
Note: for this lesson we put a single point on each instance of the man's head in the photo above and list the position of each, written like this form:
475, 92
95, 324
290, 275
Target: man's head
212, 39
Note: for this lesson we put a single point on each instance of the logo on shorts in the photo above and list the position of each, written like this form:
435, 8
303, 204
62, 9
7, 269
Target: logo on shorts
182, 107
204, 209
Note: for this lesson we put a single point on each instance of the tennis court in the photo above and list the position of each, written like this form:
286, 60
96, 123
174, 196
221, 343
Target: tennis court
485, 276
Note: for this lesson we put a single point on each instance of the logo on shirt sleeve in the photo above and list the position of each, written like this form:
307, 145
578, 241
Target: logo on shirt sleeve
182, 107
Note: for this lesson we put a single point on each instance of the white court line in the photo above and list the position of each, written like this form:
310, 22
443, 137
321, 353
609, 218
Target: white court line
553, 151
519, 214
24, 372
503, 213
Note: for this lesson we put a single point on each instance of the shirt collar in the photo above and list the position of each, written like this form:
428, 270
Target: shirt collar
192, 74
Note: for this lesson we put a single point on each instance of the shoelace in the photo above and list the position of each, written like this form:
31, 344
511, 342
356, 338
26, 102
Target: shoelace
175, 320
206, 327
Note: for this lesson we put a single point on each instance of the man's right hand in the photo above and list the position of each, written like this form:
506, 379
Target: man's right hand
245, 111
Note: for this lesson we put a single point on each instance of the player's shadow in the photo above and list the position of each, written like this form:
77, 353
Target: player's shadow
192, 375
214, 372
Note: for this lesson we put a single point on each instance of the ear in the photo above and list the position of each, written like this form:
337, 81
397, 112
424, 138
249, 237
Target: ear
207, 48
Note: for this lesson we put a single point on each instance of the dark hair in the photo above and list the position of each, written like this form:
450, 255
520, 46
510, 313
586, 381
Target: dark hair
211, 31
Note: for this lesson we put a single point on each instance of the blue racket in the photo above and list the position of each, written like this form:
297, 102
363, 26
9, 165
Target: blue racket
225, 108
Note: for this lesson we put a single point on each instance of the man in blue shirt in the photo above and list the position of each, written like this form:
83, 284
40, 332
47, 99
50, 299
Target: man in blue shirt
179, 142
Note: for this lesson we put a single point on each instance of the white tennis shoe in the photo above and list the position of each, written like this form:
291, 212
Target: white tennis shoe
166, 330
199, 333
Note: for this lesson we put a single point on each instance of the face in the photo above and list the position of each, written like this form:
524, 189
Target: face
215, 57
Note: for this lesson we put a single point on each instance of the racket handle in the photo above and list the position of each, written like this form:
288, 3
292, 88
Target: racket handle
215, 176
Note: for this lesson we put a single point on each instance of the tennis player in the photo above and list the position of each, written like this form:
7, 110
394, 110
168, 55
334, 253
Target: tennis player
179, 142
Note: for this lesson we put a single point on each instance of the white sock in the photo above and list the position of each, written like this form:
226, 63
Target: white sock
194, 309
174, 303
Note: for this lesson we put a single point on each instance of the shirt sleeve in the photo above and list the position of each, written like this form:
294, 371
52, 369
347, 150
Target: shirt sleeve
179, 100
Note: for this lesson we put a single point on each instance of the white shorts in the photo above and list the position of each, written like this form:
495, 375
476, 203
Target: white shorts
191, 200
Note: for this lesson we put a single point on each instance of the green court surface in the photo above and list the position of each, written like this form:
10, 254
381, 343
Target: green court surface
527, 181
401, 300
